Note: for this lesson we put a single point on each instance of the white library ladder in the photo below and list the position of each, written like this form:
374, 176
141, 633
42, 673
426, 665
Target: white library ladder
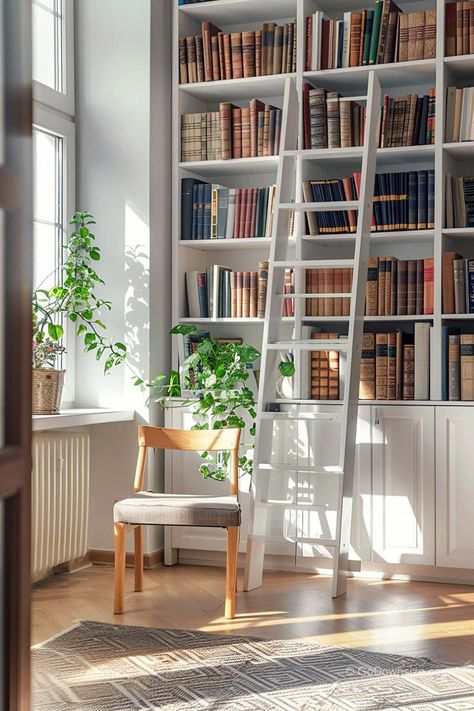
289, 198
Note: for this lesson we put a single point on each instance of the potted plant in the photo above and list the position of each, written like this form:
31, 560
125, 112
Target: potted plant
72, 298
214, 381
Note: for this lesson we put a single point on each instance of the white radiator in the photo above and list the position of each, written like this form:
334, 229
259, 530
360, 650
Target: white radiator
60, 498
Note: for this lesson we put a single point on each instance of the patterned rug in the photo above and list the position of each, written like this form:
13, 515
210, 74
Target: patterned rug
102, 667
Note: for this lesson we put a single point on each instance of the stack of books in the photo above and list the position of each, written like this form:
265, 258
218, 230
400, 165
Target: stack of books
399, 287
220, 292
378, 35
402, 201
396, 365
215, 55
231, 132
211, 211
408, 120
459, 201
337, 280
458, 284
459, 112
458, 364
459, 28
325, 371
331, 121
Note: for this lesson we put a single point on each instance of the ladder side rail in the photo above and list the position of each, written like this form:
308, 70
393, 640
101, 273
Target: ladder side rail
285, 187
355, 335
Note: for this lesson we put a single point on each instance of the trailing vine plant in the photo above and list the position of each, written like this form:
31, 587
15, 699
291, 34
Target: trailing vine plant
214, 380
73, 298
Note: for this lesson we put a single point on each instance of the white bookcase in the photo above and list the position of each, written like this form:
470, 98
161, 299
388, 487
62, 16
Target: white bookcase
396, 79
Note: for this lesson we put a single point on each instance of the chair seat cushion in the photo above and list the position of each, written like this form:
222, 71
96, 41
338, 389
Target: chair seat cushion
147, 507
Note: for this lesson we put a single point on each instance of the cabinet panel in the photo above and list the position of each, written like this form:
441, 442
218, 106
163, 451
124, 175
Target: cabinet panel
319, 444
403, 484
454, 487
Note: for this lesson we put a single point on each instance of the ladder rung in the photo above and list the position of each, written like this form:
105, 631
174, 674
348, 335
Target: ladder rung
329, 542
340, 344
330, 469
298, 506
320, 206
319, 416
340, 295
313, 263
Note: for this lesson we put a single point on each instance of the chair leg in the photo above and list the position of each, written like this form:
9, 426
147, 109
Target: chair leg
231, 572
119, 565
138, 558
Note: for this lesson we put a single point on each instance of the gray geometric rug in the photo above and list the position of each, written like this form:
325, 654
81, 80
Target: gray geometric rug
102, 667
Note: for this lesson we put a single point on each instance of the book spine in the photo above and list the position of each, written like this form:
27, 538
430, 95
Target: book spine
411, 287
422, 361
467, 366
381, 353
428, 292
183, 61
391, 366
262, 288
248, 54
408, 390
367, 368
454, 368
225, 120
236, 51
459, 287
253, 294
236, 133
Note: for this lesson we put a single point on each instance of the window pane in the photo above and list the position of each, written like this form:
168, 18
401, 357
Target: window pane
48, 43
45, 241
45, 196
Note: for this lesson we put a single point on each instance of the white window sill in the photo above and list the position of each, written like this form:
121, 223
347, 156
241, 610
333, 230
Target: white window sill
80, 417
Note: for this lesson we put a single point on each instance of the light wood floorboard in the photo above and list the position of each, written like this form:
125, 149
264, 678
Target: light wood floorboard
419, 619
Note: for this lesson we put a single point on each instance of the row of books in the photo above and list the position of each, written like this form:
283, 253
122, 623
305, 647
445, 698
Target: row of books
459, 203
330, 121
457, 381
396, 365
211, 211
330, 280
326, 373
459, 28
399, 287
459, 114
457, 284
401, 201
215, 55
374, 36
408, 120
219, 292
231, 132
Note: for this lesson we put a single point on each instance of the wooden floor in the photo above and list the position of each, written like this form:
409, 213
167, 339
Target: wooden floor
419, 619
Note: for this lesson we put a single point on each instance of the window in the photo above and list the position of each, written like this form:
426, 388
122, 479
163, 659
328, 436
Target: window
53, 53
53, 148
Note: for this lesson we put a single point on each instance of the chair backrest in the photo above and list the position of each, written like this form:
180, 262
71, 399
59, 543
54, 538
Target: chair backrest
188, 440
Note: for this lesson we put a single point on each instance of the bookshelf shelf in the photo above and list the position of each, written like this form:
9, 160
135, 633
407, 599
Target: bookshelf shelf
233, 89
235, 166
367, 319
385, 156
462, 67
462, 149
247, 321
459, 232
457, 317
231, 12
421, 71
226, 244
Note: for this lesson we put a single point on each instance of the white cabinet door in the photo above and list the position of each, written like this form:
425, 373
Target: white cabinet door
319, 444
403, 466
454, 487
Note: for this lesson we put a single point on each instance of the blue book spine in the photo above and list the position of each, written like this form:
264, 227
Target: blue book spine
195, 210
222, 207
377, 208
206, 231
469, 283
200, 212
431, 200
468, 185
187, 203
422, 199
412, 200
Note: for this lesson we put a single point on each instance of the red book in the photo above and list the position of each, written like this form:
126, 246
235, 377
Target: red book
450, 29
325, 32
239, 283
428, 292
243, 208
309, 35
238, 200
236, 132
208, 30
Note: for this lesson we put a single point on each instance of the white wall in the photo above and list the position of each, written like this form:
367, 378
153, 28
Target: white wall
123, 165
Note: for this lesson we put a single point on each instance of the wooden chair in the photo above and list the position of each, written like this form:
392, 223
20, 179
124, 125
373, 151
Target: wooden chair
145, 507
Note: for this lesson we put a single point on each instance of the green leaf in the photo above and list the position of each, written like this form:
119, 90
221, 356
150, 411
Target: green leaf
55, 331
95, 254
183, 330
82, 328
84, 231
286, 368
249, 354
121, 346
89, 338
87, 314
138, 381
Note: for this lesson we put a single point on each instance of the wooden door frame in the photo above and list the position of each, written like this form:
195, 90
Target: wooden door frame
15, 456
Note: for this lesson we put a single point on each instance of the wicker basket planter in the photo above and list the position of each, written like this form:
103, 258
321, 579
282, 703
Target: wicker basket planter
47, 389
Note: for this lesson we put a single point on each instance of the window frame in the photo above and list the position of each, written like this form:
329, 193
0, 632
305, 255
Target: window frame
61, 101
49, 121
